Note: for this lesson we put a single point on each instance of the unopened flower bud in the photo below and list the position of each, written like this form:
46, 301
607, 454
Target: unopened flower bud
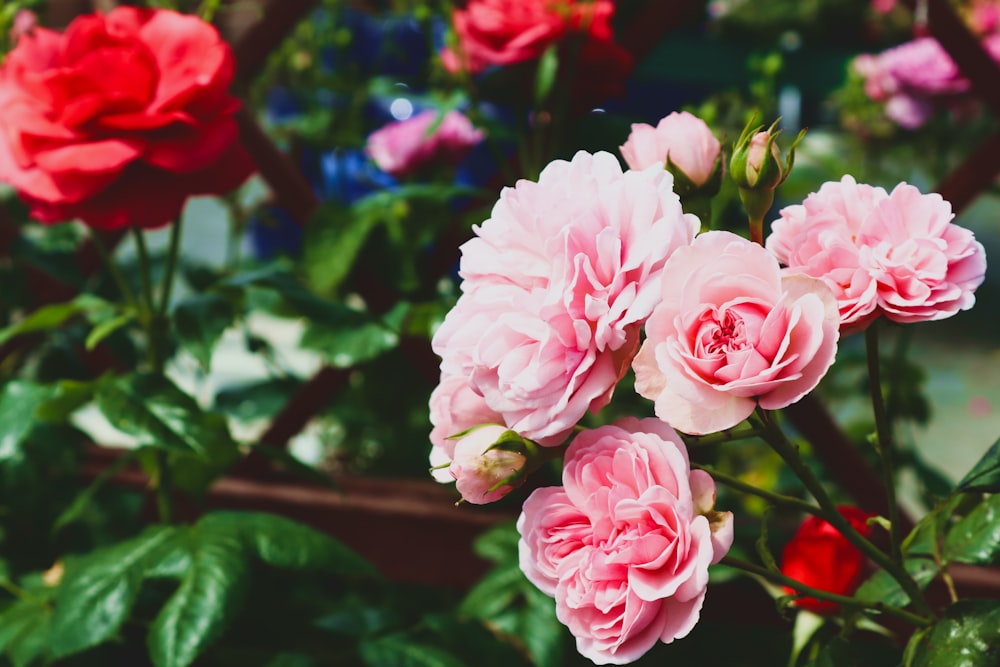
489, 463
757, 168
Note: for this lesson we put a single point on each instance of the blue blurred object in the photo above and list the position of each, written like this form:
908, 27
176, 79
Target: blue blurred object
394, 46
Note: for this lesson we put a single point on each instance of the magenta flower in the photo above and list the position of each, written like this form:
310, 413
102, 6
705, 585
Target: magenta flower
407, 146
733, 332
625, 544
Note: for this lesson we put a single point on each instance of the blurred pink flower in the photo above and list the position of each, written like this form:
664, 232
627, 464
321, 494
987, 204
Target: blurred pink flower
625, 544
556, 285
896, 254
407, 146
24, 22
731, 333
912, 77
682, 137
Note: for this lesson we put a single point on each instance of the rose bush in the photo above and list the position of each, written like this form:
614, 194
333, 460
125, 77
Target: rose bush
819, 556
731, 333
120, 119
625, 544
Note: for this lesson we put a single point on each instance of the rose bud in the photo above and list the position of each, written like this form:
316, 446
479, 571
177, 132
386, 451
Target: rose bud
757, 168
489, 462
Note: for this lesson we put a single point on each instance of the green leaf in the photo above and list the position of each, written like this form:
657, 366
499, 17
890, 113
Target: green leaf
985, 475
333, 239
545, 78
967, 635
259, 400
211, 593
24, 631
98, 591
286, 544
289, 462
976, 538
19, 400
349, 344
83, 500
495, 592
881, 587
105, 327
499, 543
65, 397
200, 321
54, 315
157, 413
400, 651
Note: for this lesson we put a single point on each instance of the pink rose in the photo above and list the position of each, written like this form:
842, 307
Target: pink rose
625, 544
818, 238
407, 146
682, 138
120, 119
895, 254
733, 332
925, 267
533, 366
484, 475
556, 285
454, 408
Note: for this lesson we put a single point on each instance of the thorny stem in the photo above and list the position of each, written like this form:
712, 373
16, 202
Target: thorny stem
113, 269
773, 498
883, 429
772, 433
798, 587
720, 437
172, 254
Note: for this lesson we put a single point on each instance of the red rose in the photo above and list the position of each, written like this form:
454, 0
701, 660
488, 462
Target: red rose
119, 119
504, 32
820, 557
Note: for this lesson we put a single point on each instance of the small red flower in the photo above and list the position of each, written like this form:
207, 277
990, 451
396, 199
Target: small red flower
820, 557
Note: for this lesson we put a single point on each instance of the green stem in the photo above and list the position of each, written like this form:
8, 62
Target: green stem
883, 429
773, 498
778, 441
172, 254
720, 437
113, 268
151, 322
799, 587
145, 280
147, 307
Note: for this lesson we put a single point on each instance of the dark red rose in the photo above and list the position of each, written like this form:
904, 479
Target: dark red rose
820, 557
120, 119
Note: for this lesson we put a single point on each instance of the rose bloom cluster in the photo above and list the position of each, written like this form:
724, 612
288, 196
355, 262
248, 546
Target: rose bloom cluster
914, 78
120, 119
559, 285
